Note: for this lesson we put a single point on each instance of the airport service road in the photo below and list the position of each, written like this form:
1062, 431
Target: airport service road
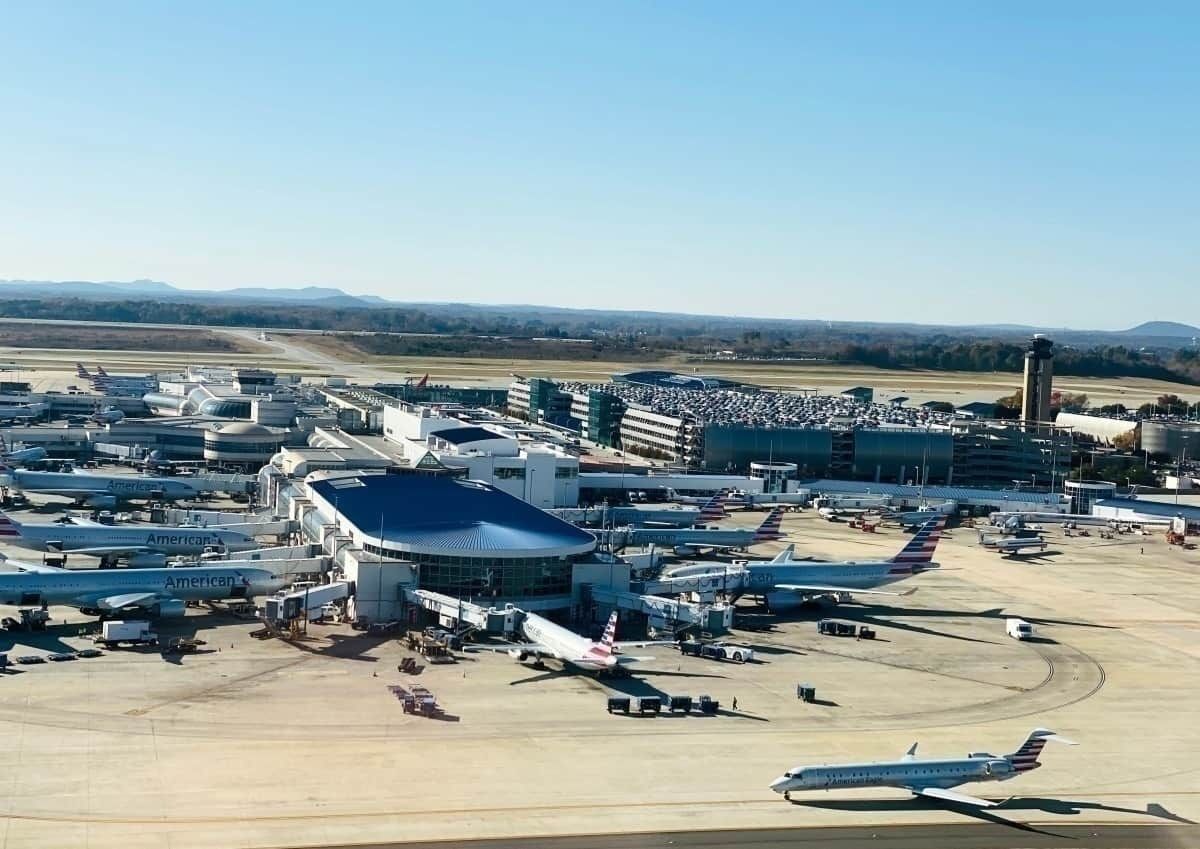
990, 836
264, 744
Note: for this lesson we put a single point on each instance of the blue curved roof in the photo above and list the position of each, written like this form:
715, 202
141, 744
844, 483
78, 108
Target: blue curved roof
440, 515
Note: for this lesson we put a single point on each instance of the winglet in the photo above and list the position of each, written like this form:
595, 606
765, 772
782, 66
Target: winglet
785, 556
911, 753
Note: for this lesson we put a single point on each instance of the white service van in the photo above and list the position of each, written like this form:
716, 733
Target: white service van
1019, 629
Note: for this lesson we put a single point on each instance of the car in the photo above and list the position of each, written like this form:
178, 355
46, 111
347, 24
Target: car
31, 658
60, 656
89, 653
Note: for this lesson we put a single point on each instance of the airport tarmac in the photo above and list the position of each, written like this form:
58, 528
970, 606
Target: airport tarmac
272, 744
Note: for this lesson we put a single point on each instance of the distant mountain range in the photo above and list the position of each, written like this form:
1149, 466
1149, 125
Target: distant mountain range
144, 289
1151, 333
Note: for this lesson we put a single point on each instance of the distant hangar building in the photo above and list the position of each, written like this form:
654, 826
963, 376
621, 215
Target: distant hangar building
465, 538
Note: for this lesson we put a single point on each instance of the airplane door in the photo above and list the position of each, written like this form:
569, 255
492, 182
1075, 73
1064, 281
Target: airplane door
238, 592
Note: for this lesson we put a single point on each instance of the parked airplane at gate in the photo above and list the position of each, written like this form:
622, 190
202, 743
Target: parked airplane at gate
110, 541
789, 583
549, 640
161, 592
711, 507
102, 491
931, 778
691, 538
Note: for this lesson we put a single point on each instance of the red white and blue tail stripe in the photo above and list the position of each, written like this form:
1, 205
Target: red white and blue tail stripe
1025, 758
713, 509
605, 646
8, 528
919, 550
772, 526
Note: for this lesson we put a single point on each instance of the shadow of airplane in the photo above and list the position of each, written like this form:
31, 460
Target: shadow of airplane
342, 646
918, 803
1062, 807
49, 640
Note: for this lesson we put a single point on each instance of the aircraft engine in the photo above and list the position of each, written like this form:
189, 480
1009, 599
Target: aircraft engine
101, 501
999, 768
147, 560
519, 656
685, 551
171, 608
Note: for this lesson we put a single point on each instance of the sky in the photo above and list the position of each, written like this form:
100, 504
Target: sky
957, 162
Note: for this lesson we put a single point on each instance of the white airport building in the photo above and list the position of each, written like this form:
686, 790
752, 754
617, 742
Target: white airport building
540, 473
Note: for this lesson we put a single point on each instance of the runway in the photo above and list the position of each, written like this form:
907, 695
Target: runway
975, 836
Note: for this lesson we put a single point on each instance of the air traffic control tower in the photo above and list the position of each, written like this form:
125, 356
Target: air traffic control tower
1039, 374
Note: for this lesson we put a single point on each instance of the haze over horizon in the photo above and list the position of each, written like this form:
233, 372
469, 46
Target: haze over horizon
933, 164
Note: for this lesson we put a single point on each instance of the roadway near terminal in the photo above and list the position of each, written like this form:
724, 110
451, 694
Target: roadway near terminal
272, 744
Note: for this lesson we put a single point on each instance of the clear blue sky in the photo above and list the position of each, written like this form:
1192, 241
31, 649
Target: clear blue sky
941, 162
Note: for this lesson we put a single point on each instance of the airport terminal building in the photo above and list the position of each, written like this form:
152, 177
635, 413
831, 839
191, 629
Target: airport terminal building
464, 538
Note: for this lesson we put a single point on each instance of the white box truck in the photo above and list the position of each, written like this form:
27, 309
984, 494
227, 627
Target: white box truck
1019, 629
135, 632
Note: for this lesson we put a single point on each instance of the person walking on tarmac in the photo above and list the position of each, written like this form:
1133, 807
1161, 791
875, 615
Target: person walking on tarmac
735, 702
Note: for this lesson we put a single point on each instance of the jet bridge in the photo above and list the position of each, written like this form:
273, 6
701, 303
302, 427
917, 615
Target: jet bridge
707, 585
667, 615
452, 612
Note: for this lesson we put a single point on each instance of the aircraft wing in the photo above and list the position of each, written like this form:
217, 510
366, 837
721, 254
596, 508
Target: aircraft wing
507, 647
101, 550
641, 644
950, 796
623, 659
40, 568
23, 566
117, 602
72, 493
824, 588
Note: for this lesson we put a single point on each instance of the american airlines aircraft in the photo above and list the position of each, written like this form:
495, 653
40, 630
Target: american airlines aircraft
711, 507
691, 538
788, 584
109, 541
101, 491
931, 778
162, 592
549, 640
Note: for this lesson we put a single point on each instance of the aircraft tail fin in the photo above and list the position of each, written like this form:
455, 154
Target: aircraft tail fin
605, 646
785, 556
9, 527
772, 526
1025, 758
80, 371
919, 550
100, 371
713, 509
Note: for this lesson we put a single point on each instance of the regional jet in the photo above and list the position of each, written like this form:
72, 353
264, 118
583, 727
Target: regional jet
160, 592
102, 491
144, 542
549, 640
929, 778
